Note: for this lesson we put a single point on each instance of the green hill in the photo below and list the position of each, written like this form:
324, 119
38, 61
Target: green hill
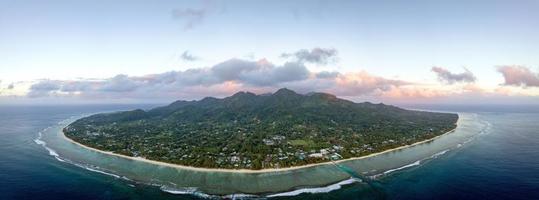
251, 131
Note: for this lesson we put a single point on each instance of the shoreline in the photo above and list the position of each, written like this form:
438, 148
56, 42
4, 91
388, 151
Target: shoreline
331, 162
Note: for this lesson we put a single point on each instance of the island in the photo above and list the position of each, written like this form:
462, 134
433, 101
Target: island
253, 132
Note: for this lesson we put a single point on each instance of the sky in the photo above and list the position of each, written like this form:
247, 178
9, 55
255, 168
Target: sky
456, 52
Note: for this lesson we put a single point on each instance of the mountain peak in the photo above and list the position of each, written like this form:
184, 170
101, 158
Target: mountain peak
243, 94
284, 91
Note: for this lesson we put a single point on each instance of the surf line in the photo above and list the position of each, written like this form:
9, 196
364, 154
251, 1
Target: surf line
369, 181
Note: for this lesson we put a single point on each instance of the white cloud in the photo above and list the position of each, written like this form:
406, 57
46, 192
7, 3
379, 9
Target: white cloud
316, 55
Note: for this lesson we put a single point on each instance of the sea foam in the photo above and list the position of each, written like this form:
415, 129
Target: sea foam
194, 191
99, 171
187, 190
416, 163
325, 189
44, 144
57, 156
436, 155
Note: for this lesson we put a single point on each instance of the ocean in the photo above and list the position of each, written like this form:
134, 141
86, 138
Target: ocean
500, 161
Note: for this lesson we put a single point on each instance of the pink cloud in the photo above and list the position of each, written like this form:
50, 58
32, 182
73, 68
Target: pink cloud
229, 77
361, 83
414, 93
519, 76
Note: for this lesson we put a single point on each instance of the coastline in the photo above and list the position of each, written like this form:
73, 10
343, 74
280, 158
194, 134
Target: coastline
250, 170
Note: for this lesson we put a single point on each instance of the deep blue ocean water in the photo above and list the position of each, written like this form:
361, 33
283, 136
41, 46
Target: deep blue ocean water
500, 164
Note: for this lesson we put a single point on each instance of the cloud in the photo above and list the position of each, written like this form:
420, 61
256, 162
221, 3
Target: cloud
44, 88
261, 76
74, 86
191, 17
361, 83
316, 55
445, 75
221, 79
516, 75
356, 84
268, 76
120, 83
255, 73
326, 75
10, 86
186, 56
250, 73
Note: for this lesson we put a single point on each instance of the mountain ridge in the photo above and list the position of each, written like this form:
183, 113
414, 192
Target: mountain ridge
252, 131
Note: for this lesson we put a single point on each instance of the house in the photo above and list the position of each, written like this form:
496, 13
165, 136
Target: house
316, 155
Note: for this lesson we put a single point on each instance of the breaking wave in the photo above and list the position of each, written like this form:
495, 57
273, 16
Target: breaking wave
186, 191
325, 189
52, 152
436, 155
416, 163
96, 169
195, 192
39, 141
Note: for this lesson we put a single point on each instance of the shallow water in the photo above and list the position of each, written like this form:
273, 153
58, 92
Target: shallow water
492, 154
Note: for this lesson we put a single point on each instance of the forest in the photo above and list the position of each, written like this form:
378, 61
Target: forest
249, 131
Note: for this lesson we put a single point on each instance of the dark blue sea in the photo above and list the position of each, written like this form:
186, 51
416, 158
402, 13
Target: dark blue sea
500, 164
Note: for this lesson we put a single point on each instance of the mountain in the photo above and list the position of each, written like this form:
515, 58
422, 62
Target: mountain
252, 131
